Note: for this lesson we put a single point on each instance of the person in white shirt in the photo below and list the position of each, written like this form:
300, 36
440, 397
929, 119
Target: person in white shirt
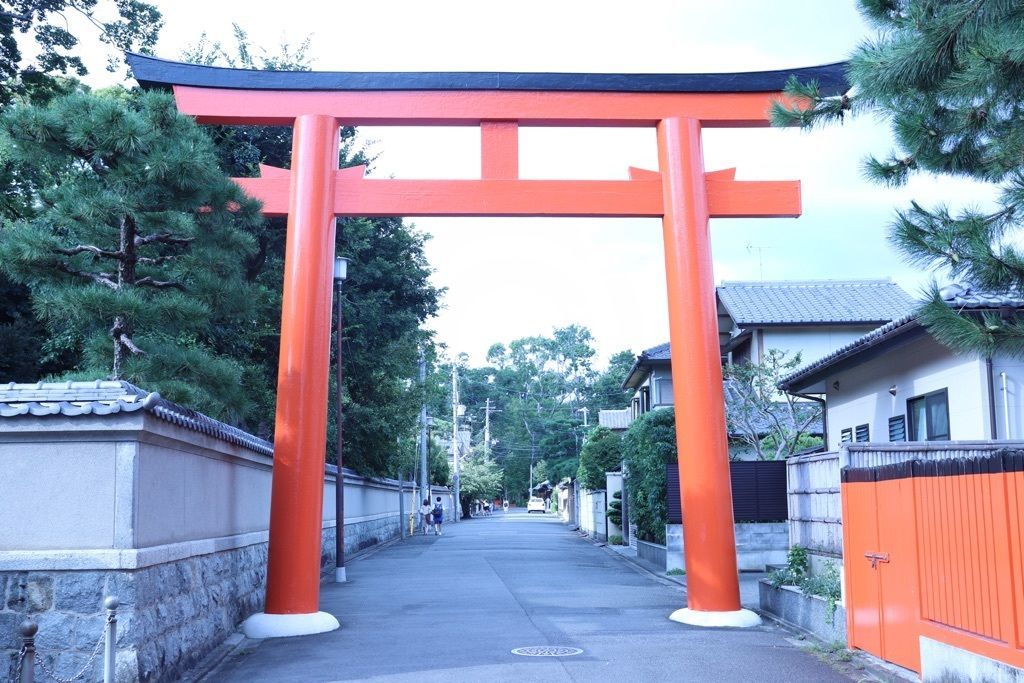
427, 515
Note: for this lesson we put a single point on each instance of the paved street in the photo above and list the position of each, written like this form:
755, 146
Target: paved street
451, 608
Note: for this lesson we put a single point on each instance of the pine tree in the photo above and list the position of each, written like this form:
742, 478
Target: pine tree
135, 253
949, 77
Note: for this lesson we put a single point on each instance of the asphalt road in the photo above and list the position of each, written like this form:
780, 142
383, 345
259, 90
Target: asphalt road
453, 607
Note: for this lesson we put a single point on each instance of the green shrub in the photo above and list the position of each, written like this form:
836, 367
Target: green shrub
648, 445
615, 539
825, 584
615, 509
797, 564
601, 453
676, 571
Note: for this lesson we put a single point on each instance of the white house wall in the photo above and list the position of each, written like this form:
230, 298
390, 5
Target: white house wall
811, 342
917, 368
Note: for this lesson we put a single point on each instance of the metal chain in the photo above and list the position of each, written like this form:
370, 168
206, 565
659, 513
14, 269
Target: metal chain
21, 663
88, 663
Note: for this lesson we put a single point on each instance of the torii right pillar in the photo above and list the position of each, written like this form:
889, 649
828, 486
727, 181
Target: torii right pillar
712, 582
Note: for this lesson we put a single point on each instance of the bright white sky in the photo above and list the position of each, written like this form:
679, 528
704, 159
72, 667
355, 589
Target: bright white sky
509, 278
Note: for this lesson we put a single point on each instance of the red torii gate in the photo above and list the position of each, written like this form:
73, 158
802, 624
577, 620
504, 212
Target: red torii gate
314, 192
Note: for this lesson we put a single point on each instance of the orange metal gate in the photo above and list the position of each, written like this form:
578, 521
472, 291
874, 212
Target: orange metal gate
936, 549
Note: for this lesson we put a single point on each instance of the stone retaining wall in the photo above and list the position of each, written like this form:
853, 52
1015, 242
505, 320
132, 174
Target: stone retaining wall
181, 597
758, 544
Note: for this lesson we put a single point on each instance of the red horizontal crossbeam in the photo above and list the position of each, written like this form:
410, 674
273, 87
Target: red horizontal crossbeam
469, 108
641, 196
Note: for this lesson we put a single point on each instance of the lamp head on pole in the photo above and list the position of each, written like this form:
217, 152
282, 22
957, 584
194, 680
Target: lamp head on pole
340, 268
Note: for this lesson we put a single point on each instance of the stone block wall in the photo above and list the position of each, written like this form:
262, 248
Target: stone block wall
757, 544
170, 616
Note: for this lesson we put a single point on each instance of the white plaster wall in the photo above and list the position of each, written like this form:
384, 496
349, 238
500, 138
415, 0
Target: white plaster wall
811, 342
592, 519
57, 495
186, 494
133, 481
918, 367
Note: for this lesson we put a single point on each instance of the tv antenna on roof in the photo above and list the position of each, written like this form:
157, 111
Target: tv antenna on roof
760, 257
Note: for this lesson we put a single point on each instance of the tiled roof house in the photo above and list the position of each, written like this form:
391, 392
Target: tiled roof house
897, 383
809, 317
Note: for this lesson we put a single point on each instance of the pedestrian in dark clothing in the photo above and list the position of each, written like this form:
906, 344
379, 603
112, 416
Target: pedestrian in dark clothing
438, 516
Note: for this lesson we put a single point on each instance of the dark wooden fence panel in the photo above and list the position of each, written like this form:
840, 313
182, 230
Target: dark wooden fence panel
758, 491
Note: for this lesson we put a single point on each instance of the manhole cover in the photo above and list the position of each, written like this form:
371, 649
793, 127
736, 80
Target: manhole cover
546, 651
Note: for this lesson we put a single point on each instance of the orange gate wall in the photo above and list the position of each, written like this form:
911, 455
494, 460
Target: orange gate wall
936, 549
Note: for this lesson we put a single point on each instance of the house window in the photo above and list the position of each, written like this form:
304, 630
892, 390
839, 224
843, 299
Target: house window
664, 388
863, 433
846, 436
898, 428
928, 417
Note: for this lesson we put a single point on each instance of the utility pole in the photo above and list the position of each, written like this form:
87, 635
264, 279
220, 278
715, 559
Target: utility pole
424, 466
487, 426
533, 456
455, 439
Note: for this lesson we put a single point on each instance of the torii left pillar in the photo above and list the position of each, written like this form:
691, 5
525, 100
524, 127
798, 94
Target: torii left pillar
296, 499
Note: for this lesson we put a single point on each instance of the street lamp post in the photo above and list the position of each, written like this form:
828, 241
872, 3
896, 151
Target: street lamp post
340, 273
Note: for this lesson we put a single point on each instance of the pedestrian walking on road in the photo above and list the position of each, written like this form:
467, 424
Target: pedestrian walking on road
427, 515
438, 513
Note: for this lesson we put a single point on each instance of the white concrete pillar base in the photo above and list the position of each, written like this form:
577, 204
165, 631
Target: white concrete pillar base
339, 575
263, 625
741, 618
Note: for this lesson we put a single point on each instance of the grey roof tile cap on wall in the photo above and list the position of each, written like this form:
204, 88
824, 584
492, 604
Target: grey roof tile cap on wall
814, 301
956, 296
105, 397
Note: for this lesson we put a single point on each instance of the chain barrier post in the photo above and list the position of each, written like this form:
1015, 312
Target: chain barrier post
110, 646
28, 630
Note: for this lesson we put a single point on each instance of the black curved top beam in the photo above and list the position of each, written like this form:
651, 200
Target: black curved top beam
152, 72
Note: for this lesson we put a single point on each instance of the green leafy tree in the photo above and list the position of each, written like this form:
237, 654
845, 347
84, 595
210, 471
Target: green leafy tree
387, 299
606, 392
387, 296
775, 425
949, 77
601, 453
540, 384
121, 24
440, 468
135, 254
480, 480
648, 445
536, 388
